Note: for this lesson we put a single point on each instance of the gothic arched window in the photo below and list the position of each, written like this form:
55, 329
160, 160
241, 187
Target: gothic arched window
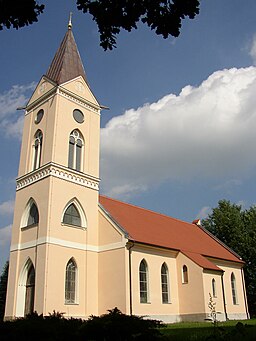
71, 282
184, 274
233, 289
75, 150
165, 283
72, 216
38, 141
143, 276
30, 291
33, 215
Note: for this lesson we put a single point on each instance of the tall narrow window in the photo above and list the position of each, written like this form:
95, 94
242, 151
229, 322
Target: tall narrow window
72, 216
30, 291
75, 150
165, 283
143, 274
214, 292
233, 289
70, 282
33, 216
184, 274
37, 149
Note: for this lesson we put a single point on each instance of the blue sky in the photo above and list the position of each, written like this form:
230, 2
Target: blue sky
179, 135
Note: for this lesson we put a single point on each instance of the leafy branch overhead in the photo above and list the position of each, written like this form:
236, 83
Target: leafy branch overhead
163, 16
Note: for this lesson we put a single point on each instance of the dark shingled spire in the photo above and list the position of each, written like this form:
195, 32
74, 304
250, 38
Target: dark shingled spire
66, 64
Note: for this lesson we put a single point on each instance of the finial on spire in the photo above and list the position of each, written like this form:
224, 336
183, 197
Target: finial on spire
70, 21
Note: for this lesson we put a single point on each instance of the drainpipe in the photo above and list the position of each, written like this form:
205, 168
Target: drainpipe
130, 275
224, 299
245, 297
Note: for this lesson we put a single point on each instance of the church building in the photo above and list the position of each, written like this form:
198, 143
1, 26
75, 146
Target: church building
80, 253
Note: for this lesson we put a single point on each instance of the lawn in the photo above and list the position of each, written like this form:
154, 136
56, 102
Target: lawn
230, 330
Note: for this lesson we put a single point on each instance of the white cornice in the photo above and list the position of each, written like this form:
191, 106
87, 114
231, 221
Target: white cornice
77, 99
58, 171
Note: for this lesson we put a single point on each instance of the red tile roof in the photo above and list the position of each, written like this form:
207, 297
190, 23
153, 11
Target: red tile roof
156, 229
66, 64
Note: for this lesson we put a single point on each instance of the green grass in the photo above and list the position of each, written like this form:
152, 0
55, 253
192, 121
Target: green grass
195, 331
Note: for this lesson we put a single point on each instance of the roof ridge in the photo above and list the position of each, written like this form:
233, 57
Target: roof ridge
148, 210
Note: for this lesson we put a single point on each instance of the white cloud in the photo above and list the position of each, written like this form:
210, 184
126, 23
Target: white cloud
7, 207
205, 131
5, 235
252, 51
11, 121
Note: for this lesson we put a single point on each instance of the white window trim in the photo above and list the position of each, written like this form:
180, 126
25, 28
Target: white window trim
76, 284
25, 215
80, 211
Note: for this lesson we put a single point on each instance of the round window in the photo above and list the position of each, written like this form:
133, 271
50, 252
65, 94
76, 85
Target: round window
39, 116
78, 116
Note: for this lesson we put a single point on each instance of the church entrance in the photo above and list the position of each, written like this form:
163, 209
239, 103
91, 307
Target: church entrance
30, 291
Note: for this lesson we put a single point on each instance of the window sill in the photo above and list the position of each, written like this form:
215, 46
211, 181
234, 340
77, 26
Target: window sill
166, 302
67, 303
29, 227
145, 302
74, 226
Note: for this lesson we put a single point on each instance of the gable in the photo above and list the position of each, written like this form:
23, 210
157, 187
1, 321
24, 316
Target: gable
42, 89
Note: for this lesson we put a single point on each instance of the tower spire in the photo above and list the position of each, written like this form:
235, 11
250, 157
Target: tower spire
70, 21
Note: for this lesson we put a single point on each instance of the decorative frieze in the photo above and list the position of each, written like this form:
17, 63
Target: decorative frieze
58, 171
77, 100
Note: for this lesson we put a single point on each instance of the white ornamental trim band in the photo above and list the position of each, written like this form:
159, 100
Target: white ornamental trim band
58, 172
76, 100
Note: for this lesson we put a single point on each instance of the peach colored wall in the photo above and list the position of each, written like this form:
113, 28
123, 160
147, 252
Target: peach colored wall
154, 258
112, 280
191, 294
208, 276
108, 234
233, 310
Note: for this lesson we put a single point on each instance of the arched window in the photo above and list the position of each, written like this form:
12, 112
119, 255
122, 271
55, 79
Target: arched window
30, 215
71, 282
75, 150
233, 288
184, 274
165, 283
37, 149
72, 216
143, 275
33, 216
30, 291
214, 292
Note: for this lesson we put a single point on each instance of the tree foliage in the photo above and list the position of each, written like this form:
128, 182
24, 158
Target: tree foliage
163, 16
237, 229
19, 13
3, 289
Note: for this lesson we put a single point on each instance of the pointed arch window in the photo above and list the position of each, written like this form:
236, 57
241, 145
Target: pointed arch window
38, 141
71, 282
233, 289
30, 215
75, 150
30, 291
184, 274
33, 215
165, 283
143, 276
72, 216
214, 292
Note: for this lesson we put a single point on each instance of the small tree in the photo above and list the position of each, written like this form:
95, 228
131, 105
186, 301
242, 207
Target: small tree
3, 289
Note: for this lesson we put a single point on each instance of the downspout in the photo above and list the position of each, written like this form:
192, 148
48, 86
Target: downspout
224, 299
130, 274
245, 297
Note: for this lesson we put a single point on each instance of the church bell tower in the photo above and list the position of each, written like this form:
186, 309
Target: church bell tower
53, 263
